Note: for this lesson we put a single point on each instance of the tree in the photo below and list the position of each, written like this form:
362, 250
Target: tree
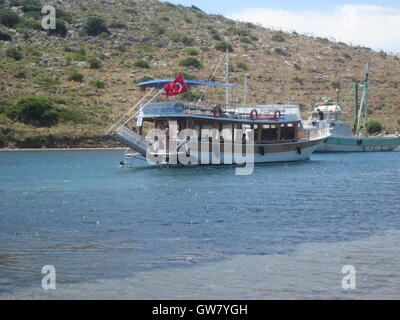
190, 62
95, 63
95, 26
15, 53
223, 46
142, 64
60, 30
4, 36
36, 111
76, 76
374, 127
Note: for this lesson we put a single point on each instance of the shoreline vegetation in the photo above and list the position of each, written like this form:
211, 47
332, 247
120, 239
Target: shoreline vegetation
63, 89
63, 149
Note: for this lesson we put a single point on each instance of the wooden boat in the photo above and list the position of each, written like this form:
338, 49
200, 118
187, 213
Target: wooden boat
178, 132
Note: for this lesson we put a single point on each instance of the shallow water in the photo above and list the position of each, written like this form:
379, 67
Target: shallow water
284, 232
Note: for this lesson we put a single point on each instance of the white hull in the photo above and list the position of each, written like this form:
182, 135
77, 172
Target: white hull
292, 156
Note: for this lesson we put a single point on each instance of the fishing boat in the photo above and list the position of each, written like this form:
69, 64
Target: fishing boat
344, 138
168, 132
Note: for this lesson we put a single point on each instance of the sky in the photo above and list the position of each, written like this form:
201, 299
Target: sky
370, 23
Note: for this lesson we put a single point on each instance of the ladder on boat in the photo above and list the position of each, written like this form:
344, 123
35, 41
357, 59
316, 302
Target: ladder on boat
131, 139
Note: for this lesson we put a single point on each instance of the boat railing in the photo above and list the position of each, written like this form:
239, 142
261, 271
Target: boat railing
209, 109
313, 133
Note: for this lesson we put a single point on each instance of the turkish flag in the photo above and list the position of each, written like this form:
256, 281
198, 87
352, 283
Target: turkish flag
176, 87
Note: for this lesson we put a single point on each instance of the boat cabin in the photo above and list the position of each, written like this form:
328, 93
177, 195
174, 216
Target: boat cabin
271, 124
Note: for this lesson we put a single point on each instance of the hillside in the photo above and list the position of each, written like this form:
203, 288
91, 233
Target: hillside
88, 81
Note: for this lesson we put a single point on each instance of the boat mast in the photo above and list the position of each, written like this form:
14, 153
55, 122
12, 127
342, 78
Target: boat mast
366, 87
227, 77
246, 77
364, 102
356, 86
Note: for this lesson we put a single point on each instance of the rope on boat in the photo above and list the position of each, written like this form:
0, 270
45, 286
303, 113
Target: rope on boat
212, 76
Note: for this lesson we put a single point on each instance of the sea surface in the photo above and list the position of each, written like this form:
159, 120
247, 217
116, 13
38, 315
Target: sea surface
285, 232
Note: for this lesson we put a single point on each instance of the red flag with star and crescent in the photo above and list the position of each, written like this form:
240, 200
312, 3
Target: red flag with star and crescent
176, 87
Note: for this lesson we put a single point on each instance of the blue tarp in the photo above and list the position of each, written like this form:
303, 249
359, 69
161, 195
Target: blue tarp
162, 82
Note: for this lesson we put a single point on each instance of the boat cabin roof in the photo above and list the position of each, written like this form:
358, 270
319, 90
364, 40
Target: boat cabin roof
328, 108
176, 110
162, 82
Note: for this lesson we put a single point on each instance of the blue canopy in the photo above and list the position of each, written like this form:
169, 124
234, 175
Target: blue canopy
162, 82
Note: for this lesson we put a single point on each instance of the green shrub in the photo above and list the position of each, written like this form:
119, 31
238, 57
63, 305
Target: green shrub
278, 38
46, 81
239, 32
144, 49
96, 26
176, 37
118, 25
188, 41
192, 52
21, 75
5, 36
37, 111
142, 64
4, 104
15, 53
374, 127
98, 84
187, 19
76, 76
157, 29
223, 46
243, 66
95, 63
346, 55
60, 30
216, 36
8, 18
28, 24
245, 40
79, 55
190, 62
336, 84
63, 15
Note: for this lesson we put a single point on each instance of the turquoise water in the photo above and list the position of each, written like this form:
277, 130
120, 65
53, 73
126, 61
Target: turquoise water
105, 227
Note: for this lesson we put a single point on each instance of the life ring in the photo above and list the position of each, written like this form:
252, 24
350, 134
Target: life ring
179, 107
217, 111
254, 115
277, 115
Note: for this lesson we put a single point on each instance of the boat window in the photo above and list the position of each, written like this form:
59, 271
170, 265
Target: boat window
288, 132
270, 133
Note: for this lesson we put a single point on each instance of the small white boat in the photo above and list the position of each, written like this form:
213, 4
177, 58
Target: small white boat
342, 138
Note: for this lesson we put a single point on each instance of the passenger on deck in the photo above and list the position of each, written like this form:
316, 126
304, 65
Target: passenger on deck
321, 115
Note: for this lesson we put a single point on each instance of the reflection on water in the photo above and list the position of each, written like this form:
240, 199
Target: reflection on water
284, 232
